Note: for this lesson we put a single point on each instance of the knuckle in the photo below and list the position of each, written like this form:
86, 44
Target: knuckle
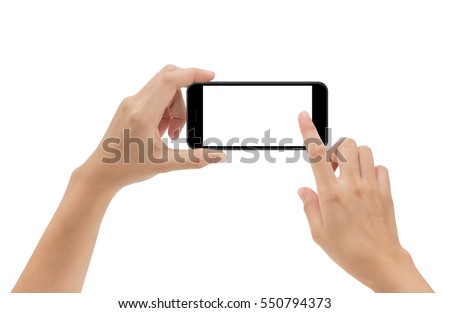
316, 149
127, 103
134, 118
331, 198
357, 189
169, 68
167, 78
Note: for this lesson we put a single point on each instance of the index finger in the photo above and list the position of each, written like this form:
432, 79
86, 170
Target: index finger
167, 84
317, 152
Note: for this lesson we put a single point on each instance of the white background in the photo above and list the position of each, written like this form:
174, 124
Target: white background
245, 113
230, 230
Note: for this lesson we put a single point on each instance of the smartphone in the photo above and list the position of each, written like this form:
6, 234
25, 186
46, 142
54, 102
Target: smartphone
253, 115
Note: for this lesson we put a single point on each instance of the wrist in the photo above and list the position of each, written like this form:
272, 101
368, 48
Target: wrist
93, 182
398, 273
84, 202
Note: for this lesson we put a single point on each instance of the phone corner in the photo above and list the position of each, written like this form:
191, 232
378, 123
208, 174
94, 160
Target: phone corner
322, 85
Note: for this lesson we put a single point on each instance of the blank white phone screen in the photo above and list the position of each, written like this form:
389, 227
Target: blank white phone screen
240, 115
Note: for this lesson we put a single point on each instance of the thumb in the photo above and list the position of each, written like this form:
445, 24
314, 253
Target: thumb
196, 158
312, 209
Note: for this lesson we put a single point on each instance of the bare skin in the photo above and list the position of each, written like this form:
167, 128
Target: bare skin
352, 216
61, 258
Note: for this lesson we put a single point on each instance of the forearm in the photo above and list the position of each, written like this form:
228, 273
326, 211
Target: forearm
61, 258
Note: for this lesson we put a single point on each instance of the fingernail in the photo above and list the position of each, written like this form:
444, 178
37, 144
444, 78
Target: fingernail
305, 116
302, 193
176, 134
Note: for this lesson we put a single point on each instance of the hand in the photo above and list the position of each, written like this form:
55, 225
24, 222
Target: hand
132, 149
352, 216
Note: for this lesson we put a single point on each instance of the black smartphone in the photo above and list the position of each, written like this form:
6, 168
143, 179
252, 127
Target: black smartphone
253, 115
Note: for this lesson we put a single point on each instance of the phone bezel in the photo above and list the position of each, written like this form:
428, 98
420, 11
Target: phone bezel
194, 106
